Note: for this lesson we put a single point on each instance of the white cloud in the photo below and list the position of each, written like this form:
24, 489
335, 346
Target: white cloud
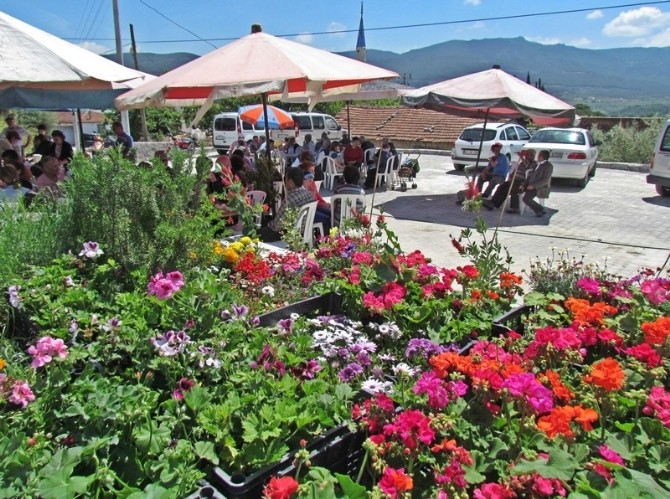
580, 42
596, 14
642, 22
335, 26
661, 39
304, 38
94, 47
477, 25
473, 2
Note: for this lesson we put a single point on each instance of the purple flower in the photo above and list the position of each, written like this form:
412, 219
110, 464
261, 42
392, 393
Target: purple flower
171, 343
91, 250
255, 321
184, 385
306, 369
589, 285
286, 325
423, 347
13, 295
239, 311
350, 372
163, 287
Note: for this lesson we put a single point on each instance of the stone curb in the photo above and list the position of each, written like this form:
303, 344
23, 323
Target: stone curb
631, 167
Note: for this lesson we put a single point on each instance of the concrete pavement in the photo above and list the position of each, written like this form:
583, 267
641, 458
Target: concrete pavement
617, 220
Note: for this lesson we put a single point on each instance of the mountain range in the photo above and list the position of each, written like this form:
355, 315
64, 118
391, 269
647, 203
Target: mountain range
621, 81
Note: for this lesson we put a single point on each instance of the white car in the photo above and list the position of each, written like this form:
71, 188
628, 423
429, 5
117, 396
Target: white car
572, 151
659, 172
512, 136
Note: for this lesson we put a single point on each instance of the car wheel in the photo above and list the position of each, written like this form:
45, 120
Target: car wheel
583, 181
663, 191
221, 152
459, 167
592, 173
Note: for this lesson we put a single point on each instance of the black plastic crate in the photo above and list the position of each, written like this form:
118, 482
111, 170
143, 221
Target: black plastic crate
511, 321
330, 303
206, 491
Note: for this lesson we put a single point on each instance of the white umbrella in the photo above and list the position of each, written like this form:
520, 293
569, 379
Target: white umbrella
40, 70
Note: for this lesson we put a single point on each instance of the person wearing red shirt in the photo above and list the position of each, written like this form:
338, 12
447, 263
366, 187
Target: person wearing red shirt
353, 154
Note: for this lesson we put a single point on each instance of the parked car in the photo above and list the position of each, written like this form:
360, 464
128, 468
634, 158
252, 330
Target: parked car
314, 124
511, 135
659, 170
572, 151
228, 128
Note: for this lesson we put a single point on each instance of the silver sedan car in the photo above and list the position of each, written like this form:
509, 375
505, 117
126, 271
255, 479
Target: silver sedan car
572, 151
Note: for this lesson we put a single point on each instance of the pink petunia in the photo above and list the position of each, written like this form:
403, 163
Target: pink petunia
21, 394
46, 349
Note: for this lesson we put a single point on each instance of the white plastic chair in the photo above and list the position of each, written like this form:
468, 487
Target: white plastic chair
305, 223
330, 172
369, 154
256, 198
386, 174
343, 206
278, 187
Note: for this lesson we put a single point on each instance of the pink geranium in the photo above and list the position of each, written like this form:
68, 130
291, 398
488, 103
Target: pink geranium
610, 455
493, 491
411, 427
21, 394
46, 349
657, 291
163, 287
658, 404
524, 385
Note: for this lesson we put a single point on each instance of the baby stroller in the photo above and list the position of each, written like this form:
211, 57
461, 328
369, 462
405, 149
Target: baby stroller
406, 173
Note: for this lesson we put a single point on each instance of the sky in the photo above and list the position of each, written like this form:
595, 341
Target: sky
199, 26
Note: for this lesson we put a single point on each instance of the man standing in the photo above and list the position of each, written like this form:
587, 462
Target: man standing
24, 136
538, 183
122, 138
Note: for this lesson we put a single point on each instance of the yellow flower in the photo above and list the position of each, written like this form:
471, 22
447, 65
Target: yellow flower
333, 232
230, 255
2, 363
192, 255
246, 240
237, 246
218, 248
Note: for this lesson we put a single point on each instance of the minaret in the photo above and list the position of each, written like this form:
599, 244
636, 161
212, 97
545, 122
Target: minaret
360, 43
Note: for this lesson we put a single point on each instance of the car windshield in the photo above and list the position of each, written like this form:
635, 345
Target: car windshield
475, 134
559, 137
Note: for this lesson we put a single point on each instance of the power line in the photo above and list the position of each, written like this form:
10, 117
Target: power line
176, 23
94, 21
386, 28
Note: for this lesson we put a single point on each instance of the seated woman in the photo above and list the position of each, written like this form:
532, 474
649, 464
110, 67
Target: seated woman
11, 190
322, 208
26, 177
308, 157
60, 148
49, 183
238, 168
335, 153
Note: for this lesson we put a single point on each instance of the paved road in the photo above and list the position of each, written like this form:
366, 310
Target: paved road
617, 220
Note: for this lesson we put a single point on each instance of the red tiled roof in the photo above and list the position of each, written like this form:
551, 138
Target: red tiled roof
405, 126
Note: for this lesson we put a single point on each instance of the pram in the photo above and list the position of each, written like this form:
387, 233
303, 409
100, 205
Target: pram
406, 173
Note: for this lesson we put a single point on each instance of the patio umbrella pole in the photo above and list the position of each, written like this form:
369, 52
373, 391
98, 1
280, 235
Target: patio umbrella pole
348, 120
80, 130
374, 187
264, 96
509, 190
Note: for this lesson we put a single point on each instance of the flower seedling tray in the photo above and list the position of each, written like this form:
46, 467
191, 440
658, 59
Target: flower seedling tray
511, 321
206, 491
330, 303
339, 449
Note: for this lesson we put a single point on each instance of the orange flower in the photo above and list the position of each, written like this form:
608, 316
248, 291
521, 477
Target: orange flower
509, 280
476, 295
560, 390
557, 422
585, 417
656, 332
606, 374
2, 363
492, 295
446, 445
450, 361
585, 313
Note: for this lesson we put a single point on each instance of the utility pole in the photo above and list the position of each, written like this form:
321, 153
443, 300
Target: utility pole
119, 56
143, 115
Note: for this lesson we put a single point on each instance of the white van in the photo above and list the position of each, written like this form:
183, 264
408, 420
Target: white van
228, 128
311, 123
659, 171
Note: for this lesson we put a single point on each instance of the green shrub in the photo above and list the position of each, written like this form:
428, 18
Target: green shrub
628, 145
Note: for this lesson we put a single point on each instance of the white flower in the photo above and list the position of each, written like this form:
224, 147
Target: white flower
376, 386
14, 298
404, 369
91, 250
68, 281
268, 290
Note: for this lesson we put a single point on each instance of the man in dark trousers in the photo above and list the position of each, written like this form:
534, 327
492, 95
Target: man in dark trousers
538, 183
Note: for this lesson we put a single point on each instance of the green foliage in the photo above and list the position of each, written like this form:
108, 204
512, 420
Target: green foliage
629, 145
142, 217
585, 110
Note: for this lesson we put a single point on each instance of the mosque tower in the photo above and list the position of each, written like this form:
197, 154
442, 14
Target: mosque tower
360, 43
